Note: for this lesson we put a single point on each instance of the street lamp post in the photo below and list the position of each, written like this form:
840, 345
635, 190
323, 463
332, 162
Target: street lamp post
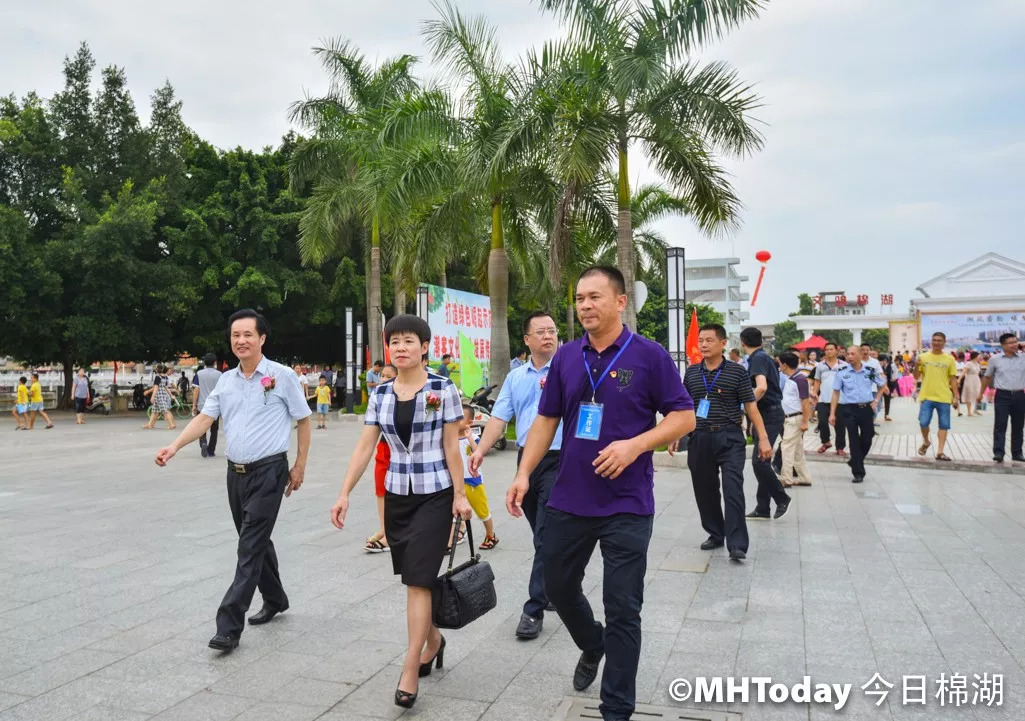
421, 302
360, 353
350, 367
676, 302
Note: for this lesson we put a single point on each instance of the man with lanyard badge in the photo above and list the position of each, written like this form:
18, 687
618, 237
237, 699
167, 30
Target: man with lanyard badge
856, 392
1006, 373
718, 443
519, 399
608, 386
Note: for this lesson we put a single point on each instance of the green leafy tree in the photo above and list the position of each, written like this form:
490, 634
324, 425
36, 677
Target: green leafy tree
878, 338
681, 114
786, 335
806, 304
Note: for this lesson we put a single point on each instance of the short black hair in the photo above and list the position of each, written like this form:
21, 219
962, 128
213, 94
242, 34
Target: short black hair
210, 360
36, 376
614, 275
829, 343
788, 358
532, 316
407, 323
261, 323
23, 379
322, 377
720, 332
751, 337
866, 344
1004, 337
734, 350
447, 356
468, 407
377, 363
389, 365
940, 334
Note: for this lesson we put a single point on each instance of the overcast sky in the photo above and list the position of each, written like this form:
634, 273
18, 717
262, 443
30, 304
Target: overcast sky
894, 145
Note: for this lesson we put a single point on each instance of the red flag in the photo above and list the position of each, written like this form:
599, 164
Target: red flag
693, 354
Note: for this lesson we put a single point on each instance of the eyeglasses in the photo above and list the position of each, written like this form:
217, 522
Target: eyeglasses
545, 332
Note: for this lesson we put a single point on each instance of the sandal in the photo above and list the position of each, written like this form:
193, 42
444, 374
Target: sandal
825, 447
490, 542
942, 457
923, 448
375, 546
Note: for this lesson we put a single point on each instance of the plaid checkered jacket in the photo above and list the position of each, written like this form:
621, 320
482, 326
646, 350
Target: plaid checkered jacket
421, 467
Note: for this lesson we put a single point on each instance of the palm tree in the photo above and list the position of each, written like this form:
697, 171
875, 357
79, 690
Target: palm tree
342, 161
508, 187
682, 115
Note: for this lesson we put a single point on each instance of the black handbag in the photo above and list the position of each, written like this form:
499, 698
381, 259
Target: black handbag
463, 594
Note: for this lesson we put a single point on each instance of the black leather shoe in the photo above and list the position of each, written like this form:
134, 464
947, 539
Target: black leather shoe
712, 543
1018, 459
550, 607
755, 516
529, 627
266, 614
223, 643
737, 555
858, 479
782, 508
587, 669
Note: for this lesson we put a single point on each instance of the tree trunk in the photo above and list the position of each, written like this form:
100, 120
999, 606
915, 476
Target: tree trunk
498, 290
69, 379
374, 301
624, 238
443, 277
570, 314
400, 297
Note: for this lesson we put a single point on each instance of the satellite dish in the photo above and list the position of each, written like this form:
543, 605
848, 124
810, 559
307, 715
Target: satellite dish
640, 295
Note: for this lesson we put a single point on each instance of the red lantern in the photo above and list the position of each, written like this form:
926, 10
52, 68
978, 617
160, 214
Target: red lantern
762, 256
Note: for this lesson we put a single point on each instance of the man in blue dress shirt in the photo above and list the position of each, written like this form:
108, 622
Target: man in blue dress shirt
856, 393
519, 399
258, 400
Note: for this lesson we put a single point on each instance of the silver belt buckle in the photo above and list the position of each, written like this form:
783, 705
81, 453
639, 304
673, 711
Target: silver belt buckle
240, 467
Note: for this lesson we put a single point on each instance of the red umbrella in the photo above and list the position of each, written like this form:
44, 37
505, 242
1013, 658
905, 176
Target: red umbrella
816, 341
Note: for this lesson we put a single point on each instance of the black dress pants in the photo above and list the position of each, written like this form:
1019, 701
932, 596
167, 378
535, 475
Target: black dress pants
568, 544
535, 508
254, 498
841, 433
709, 453
769, 485
1009, 405
209, 444
859, 421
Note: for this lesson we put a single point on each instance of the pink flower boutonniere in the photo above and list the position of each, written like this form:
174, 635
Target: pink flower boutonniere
432, 403
542, 382
268, 383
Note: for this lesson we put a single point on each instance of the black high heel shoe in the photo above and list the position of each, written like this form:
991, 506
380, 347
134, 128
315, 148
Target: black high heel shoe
439, 660
405, 699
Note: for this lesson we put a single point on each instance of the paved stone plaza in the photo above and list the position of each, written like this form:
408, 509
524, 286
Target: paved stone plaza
112, 570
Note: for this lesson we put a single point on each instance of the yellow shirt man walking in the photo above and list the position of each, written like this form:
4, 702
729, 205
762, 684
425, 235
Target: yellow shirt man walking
937, 370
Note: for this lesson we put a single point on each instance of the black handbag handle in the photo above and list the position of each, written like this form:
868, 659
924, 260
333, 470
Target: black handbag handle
455, 538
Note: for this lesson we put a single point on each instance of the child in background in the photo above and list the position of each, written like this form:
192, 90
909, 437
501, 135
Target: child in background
378, 543
323, 394
475, 492
20, 410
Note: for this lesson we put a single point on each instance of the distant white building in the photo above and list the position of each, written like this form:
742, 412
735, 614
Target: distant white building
715, 282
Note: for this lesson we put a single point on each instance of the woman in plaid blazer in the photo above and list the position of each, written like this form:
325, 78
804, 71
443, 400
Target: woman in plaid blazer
418, 413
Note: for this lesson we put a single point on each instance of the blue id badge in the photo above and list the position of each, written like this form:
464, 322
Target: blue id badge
703, 406
589, 421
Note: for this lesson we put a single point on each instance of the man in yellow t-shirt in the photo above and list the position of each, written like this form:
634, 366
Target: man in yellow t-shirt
35, 403
937, 370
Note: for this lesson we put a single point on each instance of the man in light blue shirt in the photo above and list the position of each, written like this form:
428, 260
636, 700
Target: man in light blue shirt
519, 399
856, 392
258, 401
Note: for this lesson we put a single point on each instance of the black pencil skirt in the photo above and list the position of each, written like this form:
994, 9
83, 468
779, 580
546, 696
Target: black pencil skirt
417, 527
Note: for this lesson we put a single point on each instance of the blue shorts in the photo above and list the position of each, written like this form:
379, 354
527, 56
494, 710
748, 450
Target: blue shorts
324, 408
37, 406
22, 408
942, 410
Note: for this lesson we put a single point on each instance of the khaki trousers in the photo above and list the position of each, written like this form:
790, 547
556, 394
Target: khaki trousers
793, 453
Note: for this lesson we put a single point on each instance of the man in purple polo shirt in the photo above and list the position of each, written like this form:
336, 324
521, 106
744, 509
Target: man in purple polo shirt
606, 388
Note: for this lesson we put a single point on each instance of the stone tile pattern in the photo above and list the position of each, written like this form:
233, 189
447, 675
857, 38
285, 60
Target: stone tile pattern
113, 568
